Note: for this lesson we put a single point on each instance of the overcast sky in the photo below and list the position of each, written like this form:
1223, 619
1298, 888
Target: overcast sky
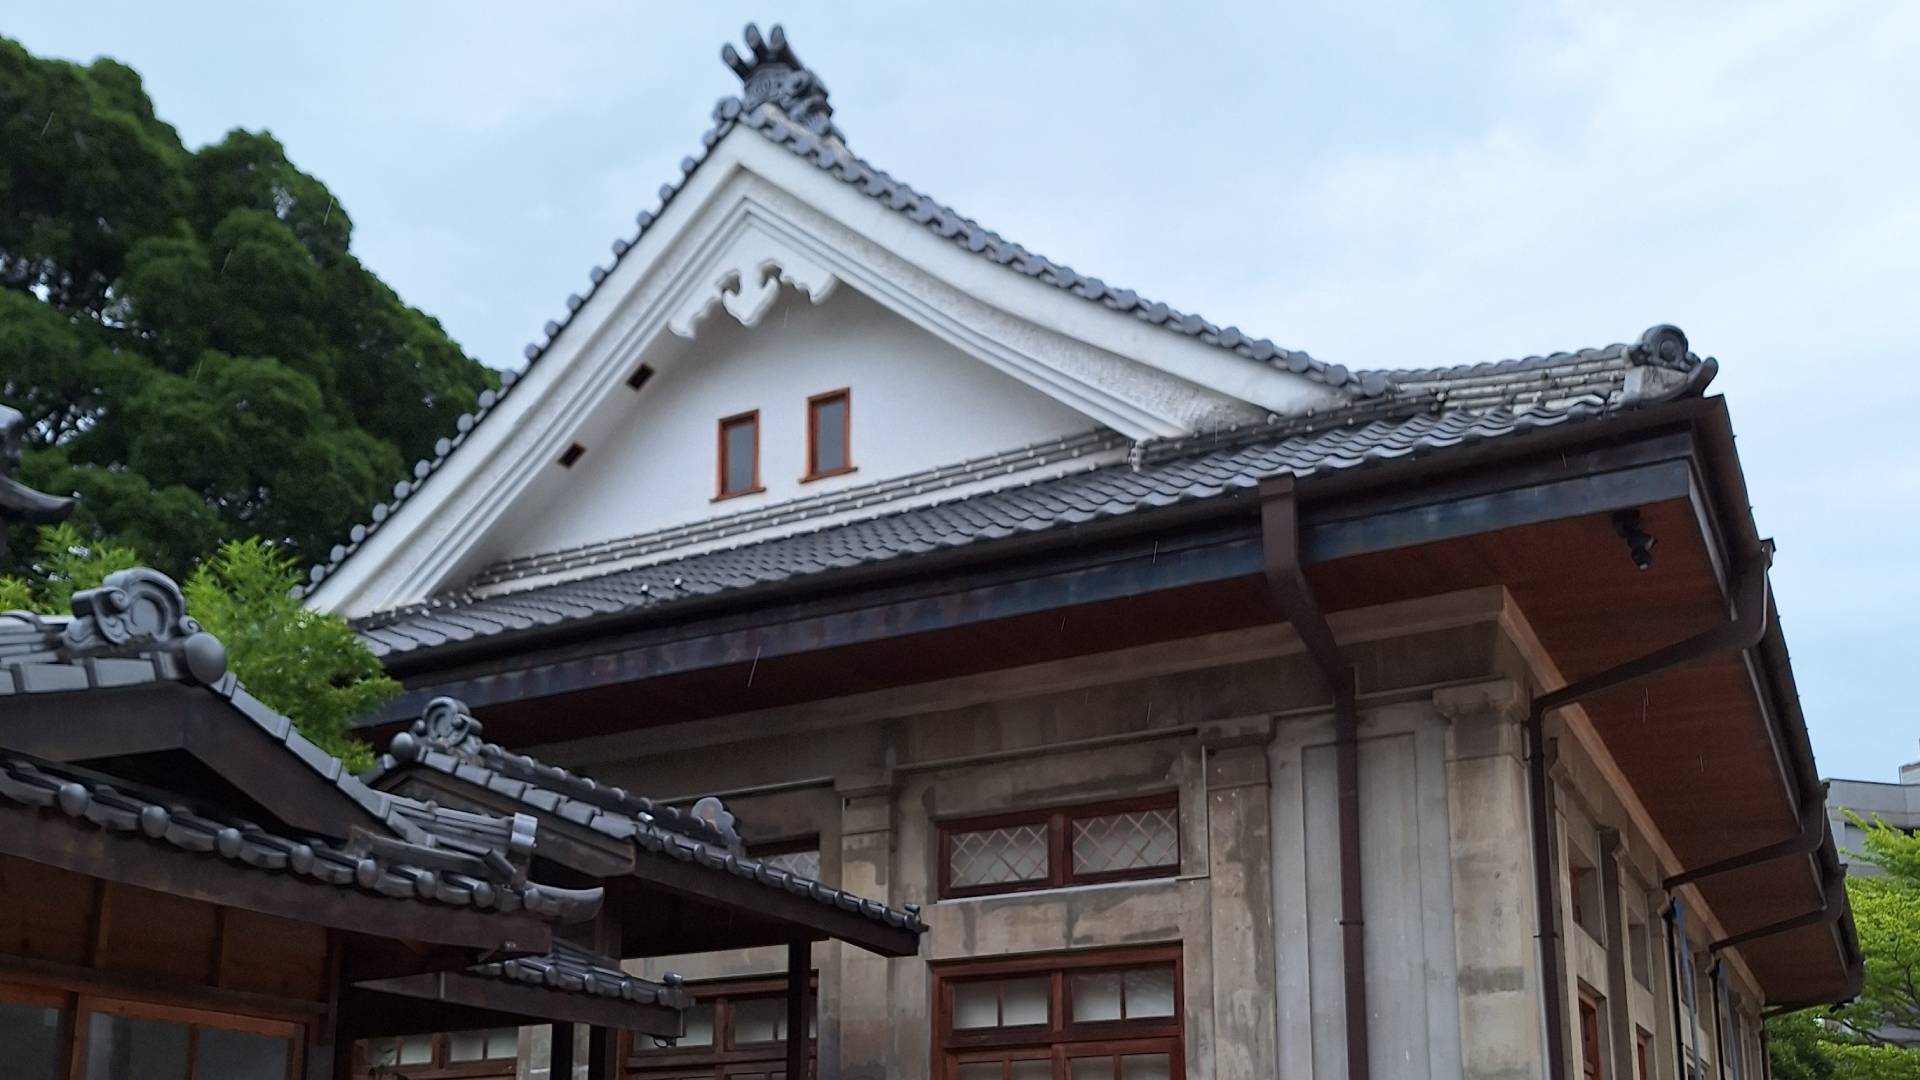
1380, 184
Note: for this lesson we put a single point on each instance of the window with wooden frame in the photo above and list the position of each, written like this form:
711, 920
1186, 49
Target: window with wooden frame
1110, 1015
1590, 1037
1643, 1054
829, 435
51, 1034
1076, 845
801, 856
739, 455
736, 1030
487, 1052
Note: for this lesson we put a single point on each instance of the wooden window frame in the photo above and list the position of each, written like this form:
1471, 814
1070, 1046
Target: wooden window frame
722, 1055
720, 457
1060, 1038
88, 1005
1059, 822
442, 1067
845, 394
1590, 1008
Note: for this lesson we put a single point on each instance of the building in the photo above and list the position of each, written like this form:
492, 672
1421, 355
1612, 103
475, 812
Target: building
191, 889
1897, 803
1228, 713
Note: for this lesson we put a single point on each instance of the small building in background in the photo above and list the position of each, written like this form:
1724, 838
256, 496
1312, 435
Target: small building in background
1895, 802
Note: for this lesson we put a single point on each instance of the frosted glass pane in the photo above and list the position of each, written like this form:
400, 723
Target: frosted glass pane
1096, 996
127, 1048
416, 1050
31, 1036
239, 1055
1136, 840
980, 1070
1145, 1067
1014, 854
699, 1025
1100, 1068
1032, 1070
976, 1005
1149, 992
1023, 1001
467, 1046
759, 1020
738, 464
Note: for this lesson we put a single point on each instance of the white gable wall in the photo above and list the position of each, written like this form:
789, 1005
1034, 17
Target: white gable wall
651, 456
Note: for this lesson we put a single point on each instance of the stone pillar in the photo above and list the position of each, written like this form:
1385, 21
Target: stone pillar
1614, 901
1493, 916
865, 1015
1240, 898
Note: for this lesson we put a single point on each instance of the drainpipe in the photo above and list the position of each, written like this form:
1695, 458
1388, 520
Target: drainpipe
1742, 631
1717, 985
1287, 581
1669, 916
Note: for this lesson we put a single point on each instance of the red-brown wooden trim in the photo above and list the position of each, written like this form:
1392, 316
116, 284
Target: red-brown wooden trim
813, 435
1060, 1037
724, 993
720, 457
1059, 821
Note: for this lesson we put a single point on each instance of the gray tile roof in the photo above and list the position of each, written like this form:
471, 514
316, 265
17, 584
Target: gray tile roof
132, 633
29, 788
575, 970
447, 739
828, 153
1449, 408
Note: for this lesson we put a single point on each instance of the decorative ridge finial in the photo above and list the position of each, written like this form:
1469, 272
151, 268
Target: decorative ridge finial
774, 74
18, 502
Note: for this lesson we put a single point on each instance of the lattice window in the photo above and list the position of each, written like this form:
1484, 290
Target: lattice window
1011, 855
1061, 846
1135, 840
802, 861
1089, 1016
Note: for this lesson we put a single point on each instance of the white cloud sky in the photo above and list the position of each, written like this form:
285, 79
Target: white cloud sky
1383, 185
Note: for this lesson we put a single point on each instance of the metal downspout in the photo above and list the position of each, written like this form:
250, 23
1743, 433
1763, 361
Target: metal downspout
1742, 631
1287, 581
1718, 988
1673, 975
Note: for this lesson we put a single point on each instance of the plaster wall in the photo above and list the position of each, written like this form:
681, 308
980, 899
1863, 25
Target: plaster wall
652, 455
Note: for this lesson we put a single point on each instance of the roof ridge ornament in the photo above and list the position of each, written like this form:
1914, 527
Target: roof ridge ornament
139, 609
775, 75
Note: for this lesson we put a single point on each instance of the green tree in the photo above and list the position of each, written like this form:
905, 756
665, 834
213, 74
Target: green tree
307, 665
199, 352
1869, 1038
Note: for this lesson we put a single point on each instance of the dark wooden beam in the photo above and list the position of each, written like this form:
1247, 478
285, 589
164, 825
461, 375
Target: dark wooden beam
54, 839
560, 1055
763, 903
799, 971
159, 717
529, 1004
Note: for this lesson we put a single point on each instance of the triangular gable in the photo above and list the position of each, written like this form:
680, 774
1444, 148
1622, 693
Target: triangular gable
771, 204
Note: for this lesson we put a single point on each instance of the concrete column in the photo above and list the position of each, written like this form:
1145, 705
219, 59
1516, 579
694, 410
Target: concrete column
864, 1016
1493, 916
1240, 899
1619, 1017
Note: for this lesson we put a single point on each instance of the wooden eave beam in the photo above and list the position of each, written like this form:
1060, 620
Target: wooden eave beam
53, 839
523, 1003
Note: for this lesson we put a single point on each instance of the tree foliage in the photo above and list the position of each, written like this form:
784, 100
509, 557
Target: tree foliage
199, 352
1873, 1037
307, 665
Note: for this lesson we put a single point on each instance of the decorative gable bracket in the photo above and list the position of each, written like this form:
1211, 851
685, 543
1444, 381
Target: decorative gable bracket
745, 280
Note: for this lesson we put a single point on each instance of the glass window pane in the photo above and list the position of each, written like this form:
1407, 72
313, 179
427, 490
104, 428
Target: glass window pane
976, 1005
1031, 1070
1017, 853
31, 1036
829, 434
759, 1020
980, 1070
240, 1055
416, 1050
699, 1025
1145, 1067
1117, 843
486, 1045
133, 1048
804, 863
1024, 1001
739, 437
1100, 1068
1149, 992
1096, 996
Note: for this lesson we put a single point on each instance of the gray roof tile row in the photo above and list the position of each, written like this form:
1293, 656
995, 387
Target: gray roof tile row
575, 970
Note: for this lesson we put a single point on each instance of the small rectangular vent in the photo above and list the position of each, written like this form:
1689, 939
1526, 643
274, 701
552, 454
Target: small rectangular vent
573, 454
639, 377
